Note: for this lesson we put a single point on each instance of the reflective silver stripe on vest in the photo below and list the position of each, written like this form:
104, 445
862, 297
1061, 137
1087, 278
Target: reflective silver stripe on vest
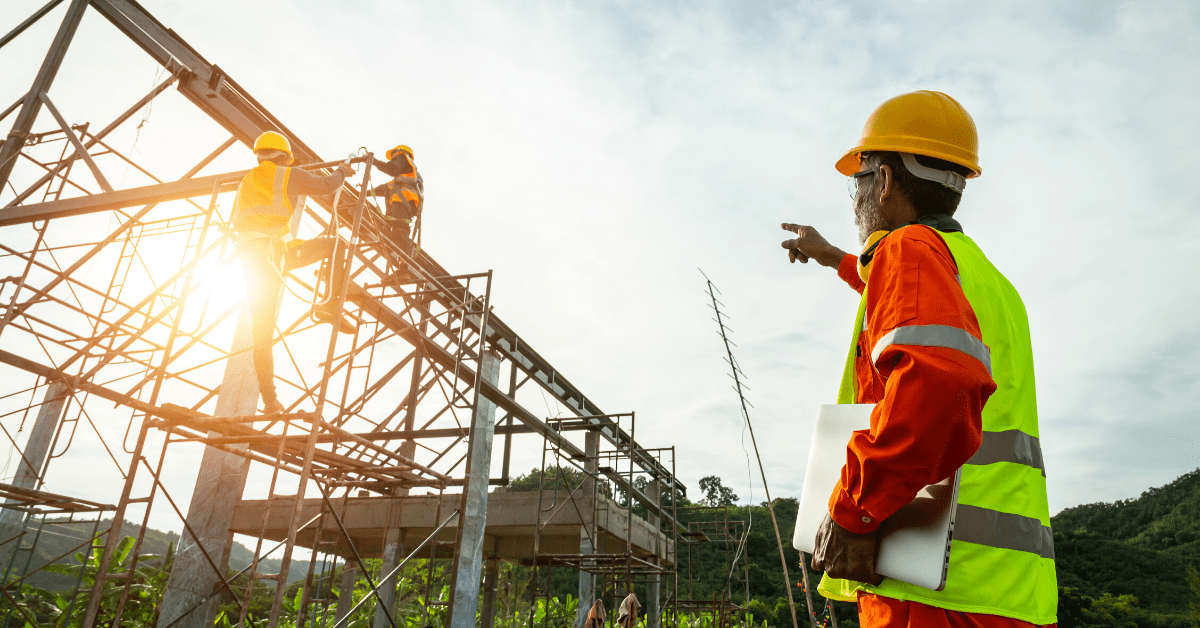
1010, 446
984, 526
935, 336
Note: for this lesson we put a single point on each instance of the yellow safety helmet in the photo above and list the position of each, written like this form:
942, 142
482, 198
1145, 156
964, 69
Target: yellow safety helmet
402, 147
922, 123
270, 140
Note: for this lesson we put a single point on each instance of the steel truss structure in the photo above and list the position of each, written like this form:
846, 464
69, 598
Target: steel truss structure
120, 323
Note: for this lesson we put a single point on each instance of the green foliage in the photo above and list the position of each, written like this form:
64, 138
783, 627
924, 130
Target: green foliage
148, 581
1193, 580
1131, 562
715, 494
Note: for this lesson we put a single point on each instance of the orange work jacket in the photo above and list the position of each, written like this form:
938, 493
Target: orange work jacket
929, 417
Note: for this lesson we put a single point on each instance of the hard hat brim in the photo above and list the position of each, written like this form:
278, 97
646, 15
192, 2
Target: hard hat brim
851, 163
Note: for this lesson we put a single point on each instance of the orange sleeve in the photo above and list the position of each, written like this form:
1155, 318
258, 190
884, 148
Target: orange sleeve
848, 272
924, 343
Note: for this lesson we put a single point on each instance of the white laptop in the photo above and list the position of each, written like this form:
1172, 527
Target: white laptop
914, 543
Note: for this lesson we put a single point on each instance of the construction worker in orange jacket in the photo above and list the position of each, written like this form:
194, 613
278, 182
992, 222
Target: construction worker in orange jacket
266, 200
942, 348
404, 196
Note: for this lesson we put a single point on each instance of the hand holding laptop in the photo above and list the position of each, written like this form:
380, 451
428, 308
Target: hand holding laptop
912, 545
844, 554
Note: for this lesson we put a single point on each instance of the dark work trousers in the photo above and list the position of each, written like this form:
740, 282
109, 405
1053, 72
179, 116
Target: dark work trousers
399, 232
261, 263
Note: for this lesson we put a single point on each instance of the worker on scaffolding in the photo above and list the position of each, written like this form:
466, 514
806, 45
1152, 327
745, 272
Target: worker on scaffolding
262, 213
942, 347
404, 197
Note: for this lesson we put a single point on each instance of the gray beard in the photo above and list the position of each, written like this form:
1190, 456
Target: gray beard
867, 217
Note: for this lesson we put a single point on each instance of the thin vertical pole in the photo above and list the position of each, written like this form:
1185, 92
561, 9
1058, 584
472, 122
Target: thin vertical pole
746, 415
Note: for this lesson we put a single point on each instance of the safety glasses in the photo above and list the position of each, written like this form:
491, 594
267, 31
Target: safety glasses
853, 182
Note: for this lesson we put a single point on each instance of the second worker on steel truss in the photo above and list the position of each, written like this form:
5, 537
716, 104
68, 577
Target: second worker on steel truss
404, 197
262, 213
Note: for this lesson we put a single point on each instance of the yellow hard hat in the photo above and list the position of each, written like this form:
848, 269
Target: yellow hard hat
270, 140
402, 147
922, 123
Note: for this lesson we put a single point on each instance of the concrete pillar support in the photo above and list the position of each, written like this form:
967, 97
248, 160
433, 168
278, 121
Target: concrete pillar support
346, 592
491, 573
393, 551
464, 579
219, 486
587, 581
654, 586
37, 448
33, 465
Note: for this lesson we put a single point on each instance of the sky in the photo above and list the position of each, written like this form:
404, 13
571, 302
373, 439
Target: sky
599, 156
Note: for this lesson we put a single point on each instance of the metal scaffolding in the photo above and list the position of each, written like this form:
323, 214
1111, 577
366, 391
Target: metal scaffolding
621, 546
121, 338
709, 529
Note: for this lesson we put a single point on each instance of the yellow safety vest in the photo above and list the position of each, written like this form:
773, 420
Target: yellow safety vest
262, 208
1002, 552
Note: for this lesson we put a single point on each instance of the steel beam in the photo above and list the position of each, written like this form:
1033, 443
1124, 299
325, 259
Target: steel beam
218, 95
79, 149
30, 21
120, 199
45, 77
93, 139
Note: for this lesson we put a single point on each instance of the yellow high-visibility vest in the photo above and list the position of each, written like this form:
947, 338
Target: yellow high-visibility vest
1002, 552
262, 207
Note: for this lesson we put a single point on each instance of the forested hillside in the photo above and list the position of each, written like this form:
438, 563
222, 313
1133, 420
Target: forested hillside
1133, 560
1129, 563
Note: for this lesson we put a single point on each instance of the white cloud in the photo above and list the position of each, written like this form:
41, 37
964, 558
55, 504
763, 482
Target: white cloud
595, 155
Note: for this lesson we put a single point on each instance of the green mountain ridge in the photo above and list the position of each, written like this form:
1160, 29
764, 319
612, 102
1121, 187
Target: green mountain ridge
1140, 547
1124, 563
59, 538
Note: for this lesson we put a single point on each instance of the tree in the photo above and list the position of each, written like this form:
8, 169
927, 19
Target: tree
1193, 580
715, 494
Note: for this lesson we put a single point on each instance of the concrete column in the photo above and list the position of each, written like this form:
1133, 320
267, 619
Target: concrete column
37, 448
393, 551
346, 592
464, 579
33, 464
491, 575
587, 581
393, 536
219, 486
654, 586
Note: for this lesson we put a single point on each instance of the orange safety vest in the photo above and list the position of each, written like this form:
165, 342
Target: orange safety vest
262, 208
407, 189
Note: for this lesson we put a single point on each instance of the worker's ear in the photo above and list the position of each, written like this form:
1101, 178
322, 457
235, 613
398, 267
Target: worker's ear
886, 182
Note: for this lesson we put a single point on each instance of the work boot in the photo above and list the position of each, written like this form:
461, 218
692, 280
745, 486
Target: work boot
272, 406
328, 313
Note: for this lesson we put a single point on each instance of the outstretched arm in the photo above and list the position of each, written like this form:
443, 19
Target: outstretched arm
809, 244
